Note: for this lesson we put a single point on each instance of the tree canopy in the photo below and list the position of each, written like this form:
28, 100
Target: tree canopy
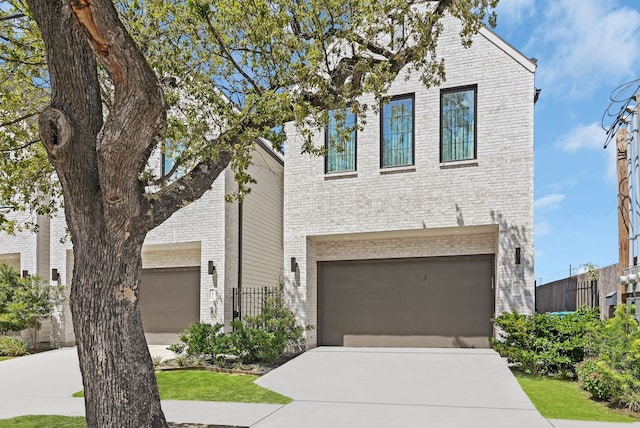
231, 71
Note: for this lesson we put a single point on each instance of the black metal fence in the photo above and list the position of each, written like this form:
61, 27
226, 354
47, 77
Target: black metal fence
250, 301
583, 294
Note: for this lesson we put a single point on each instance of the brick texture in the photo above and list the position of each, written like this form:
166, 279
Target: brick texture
494, 192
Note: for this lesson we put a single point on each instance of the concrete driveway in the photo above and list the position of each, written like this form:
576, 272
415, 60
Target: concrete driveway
382, 387
332, 387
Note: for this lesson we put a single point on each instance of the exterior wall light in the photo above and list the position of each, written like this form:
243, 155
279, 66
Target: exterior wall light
211, 268
294, 264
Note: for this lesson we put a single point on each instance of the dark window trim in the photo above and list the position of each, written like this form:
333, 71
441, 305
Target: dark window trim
412, 97
355, 149
475, 119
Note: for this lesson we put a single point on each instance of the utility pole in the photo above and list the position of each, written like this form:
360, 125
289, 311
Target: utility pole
623, 204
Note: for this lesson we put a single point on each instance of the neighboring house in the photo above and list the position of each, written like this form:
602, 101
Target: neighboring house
192, 262
421, 230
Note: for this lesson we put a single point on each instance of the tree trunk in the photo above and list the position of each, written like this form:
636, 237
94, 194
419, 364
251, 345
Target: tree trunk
118, 376
99, 163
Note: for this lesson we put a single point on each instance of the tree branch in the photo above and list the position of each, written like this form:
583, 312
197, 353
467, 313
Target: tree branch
229, 57
24, 146
20, 119
10, 17
186, 189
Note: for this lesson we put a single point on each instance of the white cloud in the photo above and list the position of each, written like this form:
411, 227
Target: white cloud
590, 136
512, 12
542, 229
548, 202
583, 44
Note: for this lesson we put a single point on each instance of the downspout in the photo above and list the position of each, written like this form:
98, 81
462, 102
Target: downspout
240, 221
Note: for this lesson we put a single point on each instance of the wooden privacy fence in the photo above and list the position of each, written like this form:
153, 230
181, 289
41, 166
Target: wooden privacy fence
567, 295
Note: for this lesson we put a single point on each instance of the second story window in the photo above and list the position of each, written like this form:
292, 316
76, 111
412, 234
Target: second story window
397, 132
458, 124
340, 141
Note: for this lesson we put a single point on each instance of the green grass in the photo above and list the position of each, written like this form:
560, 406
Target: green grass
202, 385
562, 399
44, 421
5, 358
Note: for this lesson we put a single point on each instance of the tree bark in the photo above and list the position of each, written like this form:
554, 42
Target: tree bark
98, 163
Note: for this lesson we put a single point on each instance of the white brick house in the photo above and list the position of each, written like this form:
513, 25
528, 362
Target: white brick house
192, 262
421, 248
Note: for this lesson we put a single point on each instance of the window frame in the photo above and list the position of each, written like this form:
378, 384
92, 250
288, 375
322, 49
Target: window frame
444, 92
355, 146
412, 97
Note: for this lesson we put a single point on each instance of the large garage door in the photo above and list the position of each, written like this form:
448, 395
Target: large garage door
169, 299
436, 301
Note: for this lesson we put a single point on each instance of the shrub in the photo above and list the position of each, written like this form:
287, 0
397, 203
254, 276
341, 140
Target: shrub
203, 339
613, 372
545, 343
262, 338
13, 346
599, 379
26, 302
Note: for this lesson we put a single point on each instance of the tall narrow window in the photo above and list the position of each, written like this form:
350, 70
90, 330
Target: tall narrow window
340, 141
458, 124
397, 132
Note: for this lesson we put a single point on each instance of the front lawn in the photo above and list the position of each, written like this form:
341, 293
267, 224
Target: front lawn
203, 385
560, 399
5, 358
38, 421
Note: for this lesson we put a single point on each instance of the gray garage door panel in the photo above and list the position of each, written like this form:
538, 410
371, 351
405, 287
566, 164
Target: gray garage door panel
169, 299
437, 301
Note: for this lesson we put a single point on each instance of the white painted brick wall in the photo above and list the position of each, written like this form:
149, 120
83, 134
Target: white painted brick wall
496, 191
20, 250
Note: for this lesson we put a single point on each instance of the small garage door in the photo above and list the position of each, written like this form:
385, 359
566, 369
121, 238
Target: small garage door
169, 299
435, 301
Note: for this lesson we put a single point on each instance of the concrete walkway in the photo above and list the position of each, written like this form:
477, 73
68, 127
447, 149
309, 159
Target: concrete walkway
332, 387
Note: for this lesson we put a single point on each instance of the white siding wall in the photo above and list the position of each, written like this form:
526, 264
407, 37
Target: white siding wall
262, 211
497, 190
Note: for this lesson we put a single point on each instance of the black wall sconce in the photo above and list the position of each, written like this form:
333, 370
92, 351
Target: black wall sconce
518, 261
294, 264
55, 275
25, 273
211, 268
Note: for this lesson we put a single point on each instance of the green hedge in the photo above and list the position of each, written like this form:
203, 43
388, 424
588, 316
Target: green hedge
545, 343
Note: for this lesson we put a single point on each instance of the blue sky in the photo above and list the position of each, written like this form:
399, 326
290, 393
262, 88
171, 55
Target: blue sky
585, 49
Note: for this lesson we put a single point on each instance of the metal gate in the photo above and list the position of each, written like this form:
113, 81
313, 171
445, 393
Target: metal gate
579, 294
250, 301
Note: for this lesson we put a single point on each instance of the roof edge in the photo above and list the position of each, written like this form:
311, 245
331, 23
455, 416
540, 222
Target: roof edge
514, 53
262, 142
